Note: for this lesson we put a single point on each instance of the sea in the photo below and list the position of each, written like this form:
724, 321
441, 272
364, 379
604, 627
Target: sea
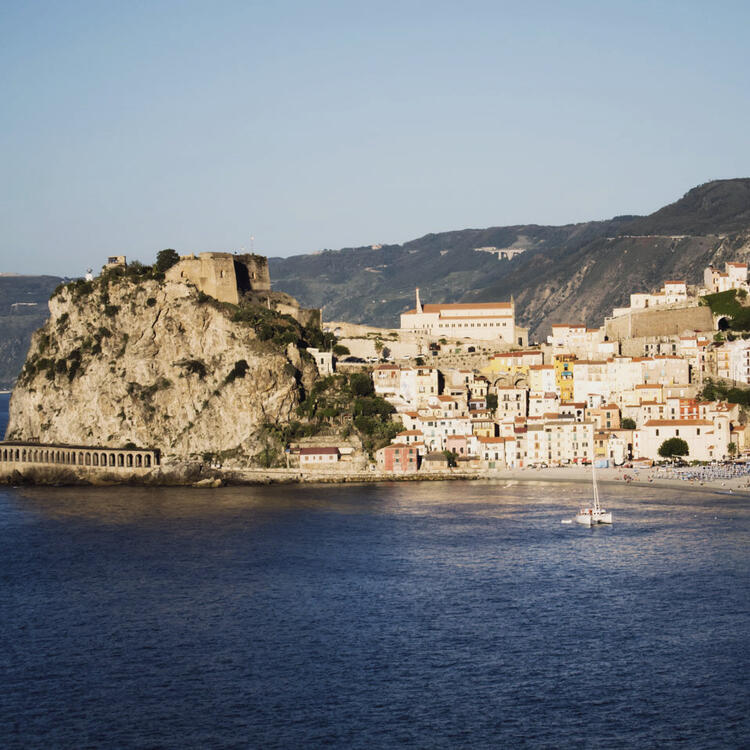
425, 615
4, 404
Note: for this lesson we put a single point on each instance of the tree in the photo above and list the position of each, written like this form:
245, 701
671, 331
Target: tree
732, 449
673, 447
492, 401
360, 384
628, 423
340, 350
166, 259
451, 457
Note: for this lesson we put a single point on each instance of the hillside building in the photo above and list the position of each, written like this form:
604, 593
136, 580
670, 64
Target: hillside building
673, 292
734, 276
483, 321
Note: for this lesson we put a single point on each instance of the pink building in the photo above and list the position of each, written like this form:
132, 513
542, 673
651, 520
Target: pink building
398, 458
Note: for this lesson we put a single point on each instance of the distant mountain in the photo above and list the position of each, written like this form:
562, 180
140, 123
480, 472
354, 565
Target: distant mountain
571, 273
23, 309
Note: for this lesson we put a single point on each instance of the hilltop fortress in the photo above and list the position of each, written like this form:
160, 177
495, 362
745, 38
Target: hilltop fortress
232, 277
224, 276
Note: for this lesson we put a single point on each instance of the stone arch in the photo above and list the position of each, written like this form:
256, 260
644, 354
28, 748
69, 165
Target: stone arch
111, 459
120, 460
139, 461
129, 461
147, 458
723, 324
103, 459
87, 458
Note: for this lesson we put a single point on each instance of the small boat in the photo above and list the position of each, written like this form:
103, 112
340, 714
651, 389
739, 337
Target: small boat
595, 514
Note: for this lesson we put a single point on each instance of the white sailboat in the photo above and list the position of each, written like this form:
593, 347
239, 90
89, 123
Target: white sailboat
595, 514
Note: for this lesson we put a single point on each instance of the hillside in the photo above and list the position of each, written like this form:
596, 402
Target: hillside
577, 272
23, 309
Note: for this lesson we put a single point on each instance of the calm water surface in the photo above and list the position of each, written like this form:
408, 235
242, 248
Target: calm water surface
4, 402
433, 616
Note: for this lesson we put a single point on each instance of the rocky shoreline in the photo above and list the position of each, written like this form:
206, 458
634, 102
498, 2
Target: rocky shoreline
200, 477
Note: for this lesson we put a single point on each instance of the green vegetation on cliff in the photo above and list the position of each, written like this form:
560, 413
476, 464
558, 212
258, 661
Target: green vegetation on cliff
729, 304
713, 391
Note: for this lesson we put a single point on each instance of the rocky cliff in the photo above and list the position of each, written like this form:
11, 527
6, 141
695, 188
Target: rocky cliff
157, 364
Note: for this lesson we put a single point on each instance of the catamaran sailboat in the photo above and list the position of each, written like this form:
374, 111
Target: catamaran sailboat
595, 514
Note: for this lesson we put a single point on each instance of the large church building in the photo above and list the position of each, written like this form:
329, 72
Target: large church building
484, 321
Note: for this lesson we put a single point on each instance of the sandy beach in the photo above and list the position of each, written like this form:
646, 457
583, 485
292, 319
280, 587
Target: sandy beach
654, 477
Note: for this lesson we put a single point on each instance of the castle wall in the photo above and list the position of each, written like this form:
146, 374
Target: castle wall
654, 322
258, 277
218, 277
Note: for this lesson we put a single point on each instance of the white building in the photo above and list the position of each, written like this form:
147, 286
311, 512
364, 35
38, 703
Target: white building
672, 292
323, 361
704, 442
733, 361
733, 277
485, 321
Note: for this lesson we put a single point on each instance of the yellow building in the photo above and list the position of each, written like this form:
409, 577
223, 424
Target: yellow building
513, 364
563, 364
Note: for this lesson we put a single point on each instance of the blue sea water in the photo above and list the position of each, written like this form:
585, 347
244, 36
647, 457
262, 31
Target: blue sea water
4, 404
433, 615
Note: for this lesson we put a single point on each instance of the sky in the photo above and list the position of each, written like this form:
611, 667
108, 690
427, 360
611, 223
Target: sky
129, 127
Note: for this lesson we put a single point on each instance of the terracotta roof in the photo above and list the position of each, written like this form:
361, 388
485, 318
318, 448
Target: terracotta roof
439, 307
678, 422
518, 354
320, 451
466, 306
475, 317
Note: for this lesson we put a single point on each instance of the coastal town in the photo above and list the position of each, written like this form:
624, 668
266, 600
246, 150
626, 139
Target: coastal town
613, 395
458, 388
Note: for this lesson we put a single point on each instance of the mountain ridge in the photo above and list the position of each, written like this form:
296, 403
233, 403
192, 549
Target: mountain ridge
574, 272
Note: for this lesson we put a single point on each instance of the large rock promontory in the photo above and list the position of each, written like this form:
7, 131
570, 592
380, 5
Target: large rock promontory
157, 364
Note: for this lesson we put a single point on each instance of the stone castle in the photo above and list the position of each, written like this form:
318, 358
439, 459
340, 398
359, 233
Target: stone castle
232, 277
224, 276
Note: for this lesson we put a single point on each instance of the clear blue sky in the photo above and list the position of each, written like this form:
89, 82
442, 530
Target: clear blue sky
127, 127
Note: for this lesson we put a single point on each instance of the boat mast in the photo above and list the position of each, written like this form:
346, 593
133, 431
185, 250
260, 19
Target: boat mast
597, 507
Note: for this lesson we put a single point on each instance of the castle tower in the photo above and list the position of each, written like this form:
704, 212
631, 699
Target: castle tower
419, 304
